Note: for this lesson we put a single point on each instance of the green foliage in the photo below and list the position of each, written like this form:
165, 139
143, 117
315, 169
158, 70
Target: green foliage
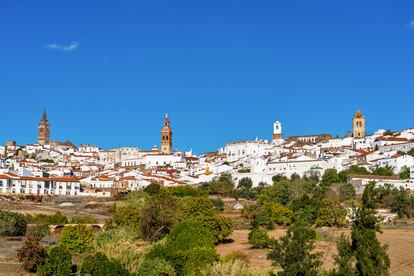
234, 256
259, 238
55, 219
76, 238
272, 213
293, 252
182, 191
124, 245
405, 172
152, 189
400, 203
31, 254
384, 171
220, 227
128, 215
156, 267
331, 213
222, 186
277, 178
294, 177
159, 216
12, 224
245, 183
346, 191
188, 248
58, 261
99, 265
197, 206
218, 203
279, 192
232, 268
87, 219
411, 152
305, 209
329, 177
352, 170
364, 254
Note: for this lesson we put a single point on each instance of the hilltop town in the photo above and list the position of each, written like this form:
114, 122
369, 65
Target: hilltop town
61, 168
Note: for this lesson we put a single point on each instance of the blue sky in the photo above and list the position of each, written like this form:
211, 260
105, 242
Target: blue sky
108, 71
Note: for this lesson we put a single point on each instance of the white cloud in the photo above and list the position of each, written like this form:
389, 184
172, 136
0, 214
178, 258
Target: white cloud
411, 25
64, 48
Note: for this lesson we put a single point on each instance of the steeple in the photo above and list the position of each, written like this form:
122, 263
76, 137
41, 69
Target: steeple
166, 136
43, 130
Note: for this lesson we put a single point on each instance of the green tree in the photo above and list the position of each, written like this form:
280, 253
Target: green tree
245, 183
278, 177
159, 216
352, 170
58, 261
329, 177
152, 189
76, 238
12, 224
405, 172
383, 171
346, 191
220, 227
99, 265
400, 203
128, 215
364, 254
279, 192
156, 267
331, 213
305, 209
294, 176
198, 206
272, 213
222, 186
293, 252
259, 238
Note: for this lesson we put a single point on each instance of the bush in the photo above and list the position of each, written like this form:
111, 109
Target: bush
99, 265
218, 203
124, 245
124, 216
156, 267
198, 206
76, 238
188, 248
31, 254
233, 268
259, 238
57, 218
58, 261
235, 255
182, 191
152, 189
220, 227
12, 224
158, 217
88, 219
331, 214
272, 213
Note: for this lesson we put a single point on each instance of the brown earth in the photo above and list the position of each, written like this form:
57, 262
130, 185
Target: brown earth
400, 242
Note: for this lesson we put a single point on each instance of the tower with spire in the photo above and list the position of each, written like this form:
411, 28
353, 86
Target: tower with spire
43, 130
166, 136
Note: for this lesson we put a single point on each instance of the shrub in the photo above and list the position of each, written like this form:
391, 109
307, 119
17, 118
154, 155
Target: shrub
156, 267
235, 255
124, 216
99, 265
31, 254
245, 183
233, 268
220, 227
58, 261
57, 218
331, 214
158, 217
76, 238
218, 203
188, 248
273, 213
88, 219
152, 189
12, 224
124, 245
182, 191
198, 206
259, 238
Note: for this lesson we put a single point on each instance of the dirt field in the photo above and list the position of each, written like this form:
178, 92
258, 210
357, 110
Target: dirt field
400, 242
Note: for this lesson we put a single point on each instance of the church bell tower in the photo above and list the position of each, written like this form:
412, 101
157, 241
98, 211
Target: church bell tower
166, 137
358, 125
43, 130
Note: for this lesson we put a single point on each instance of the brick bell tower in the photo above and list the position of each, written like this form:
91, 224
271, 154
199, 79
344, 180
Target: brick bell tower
43, 130
166, 137
358, 125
